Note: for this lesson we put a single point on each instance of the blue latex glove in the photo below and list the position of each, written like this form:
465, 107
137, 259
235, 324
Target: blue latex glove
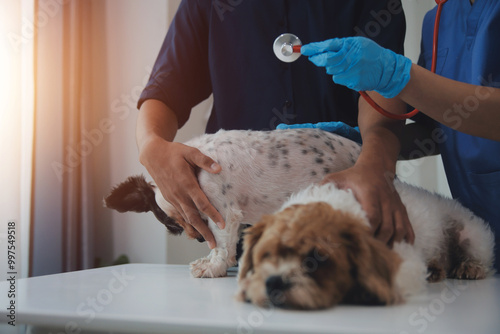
361, 64
339, 128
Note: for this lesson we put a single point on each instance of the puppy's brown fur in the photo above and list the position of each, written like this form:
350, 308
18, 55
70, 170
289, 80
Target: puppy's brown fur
311, 256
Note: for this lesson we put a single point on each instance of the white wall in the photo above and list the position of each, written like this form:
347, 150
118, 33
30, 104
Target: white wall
134, 32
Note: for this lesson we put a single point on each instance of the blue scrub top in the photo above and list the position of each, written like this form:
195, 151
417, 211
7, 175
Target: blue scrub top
225, 48
469, 51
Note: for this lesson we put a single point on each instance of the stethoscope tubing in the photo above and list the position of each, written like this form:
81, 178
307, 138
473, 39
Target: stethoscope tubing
412, 113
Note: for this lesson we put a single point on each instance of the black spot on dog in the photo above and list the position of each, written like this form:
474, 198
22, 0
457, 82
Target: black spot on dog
330, 145
317, 151
225, 188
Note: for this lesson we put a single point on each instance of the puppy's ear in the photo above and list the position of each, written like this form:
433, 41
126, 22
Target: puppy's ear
251, 236
373, 268
138, 195
135, 194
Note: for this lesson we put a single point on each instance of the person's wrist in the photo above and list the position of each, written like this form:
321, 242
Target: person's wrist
399, 78
374, 163
149, 146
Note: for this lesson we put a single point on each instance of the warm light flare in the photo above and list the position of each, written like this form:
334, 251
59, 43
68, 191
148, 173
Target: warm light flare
9, 58
6, 78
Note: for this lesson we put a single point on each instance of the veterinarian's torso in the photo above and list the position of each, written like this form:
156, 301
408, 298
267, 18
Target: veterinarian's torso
469, 51
252, 88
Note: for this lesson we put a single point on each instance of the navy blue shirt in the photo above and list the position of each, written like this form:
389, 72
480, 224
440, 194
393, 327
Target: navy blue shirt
225, 48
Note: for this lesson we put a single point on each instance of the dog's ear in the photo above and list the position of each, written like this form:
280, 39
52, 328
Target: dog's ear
250, 238
134, 194
373, 268
137, 195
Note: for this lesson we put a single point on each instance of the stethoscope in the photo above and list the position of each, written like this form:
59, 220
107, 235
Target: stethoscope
287, 48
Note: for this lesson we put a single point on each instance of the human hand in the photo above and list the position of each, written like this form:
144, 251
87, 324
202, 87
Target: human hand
173, 166
381, 202
361, 64
339, 128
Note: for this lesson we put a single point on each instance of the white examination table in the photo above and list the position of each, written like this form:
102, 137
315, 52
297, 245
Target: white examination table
146, 298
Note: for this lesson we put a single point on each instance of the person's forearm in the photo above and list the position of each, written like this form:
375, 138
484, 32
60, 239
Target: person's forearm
380, 135
155, 121
471, 109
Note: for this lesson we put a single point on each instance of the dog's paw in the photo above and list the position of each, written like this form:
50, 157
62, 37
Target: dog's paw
214, 265
436, 272
205, 268
469, 270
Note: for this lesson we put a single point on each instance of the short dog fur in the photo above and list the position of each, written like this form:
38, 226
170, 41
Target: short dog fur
319, 251
260, 170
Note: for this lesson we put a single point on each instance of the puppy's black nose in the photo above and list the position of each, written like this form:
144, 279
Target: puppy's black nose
200, 239
275, 284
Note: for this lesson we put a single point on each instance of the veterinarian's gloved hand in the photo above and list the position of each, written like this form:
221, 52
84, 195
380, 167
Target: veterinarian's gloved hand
339, 128
361, 64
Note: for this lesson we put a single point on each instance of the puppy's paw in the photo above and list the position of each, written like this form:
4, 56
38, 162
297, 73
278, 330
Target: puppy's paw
241, 293
241, 296
469, 270
436, 272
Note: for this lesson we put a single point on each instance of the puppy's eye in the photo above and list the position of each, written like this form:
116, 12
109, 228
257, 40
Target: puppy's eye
265, 255
286, 252
317, 255
315, 260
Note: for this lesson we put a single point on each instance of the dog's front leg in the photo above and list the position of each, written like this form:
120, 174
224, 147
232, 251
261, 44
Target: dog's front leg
223, 255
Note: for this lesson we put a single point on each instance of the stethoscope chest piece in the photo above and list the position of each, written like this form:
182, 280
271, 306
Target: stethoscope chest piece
287, 47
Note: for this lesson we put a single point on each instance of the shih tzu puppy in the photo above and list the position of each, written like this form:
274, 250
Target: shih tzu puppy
318, 250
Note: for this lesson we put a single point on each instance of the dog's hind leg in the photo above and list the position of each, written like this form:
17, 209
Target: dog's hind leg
223, 255
466, 259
